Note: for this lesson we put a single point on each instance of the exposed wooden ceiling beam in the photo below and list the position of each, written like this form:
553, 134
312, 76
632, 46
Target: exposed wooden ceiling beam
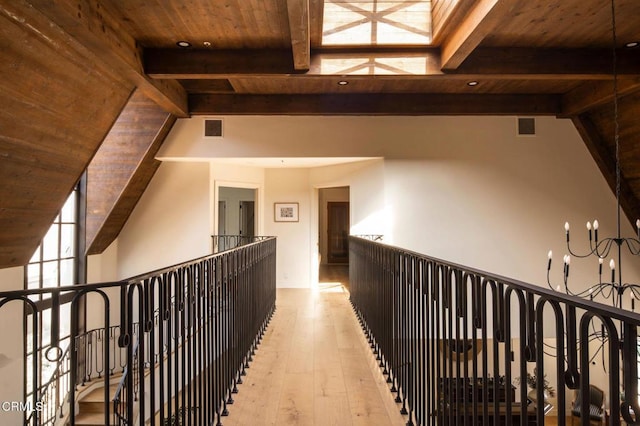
194, 64
589, 96
298, 11
446, 15
202, 64
479, 22
539, 63
375, 104
316, 20
95, 28
498, 63
606, 163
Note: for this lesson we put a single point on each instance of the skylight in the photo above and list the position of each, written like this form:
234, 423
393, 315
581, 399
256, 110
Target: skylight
376, 22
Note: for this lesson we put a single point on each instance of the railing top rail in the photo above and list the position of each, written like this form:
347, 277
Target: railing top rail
161, 271
128, 281
599, 308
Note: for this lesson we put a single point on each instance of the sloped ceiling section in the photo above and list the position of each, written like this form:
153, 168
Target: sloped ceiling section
67, 69
122, 168
46, 84
597, 128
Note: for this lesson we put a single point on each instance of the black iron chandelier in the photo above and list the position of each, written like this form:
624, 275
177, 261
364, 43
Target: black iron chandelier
610, 248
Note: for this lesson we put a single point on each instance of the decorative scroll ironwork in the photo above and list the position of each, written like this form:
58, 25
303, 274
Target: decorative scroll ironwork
454, 341
187, 333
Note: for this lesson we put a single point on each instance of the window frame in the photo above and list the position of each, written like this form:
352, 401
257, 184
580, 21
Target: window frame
78, 276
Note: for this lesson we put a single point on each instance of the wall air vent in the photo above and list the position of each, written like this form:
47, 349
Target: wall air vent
213, 128
526, 126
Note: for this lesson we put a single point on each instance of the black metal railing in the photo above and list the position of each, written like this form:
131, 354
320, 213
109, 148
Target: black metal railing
222, 243
122, 399
187, 332
90, 345
371, 237
53, 392
456, 342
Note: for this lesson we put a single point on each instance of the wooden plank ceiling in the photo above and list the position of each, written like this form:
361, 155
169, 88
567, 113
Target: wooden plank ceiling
68, 68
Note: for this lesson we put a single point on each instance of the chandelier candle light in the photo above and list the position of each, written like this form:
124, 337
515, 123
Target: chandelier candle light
601, 249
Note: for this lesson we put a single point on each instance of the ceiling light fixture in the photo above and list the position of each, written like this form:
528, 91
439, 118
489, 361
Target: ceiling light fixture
472, 83
632, 44
343, 83
207, 44
183, 43
615, 288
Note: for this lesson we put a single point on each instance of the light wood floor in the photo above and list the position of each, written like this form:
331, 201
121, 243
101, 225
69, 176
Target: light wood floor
314, 367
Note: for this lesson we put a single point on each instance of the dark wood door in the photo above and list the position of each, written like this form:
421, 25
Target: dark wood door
338, 232
247, 218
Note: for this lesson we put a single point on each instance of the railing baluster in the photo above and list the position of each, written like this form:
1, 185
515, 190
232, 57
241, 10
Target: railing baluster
448, 336
184, 338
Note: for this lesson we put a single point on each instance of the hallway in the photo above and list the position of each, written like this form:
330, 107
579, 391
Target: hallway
314, 367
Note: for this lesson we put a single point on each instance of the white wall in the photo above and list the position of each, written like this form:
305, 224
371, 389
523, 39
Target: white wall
100, 269
11, 361
171, 223
368, 208
12, 278
279, 136
491, 200
293, 263
466, 189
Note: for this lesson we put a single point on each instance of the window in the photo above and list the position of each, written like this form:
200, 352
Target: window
55, 263
376, 22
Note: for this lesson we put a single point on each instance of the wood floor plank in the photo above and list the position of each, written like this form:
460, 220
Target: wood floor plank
296, 400
332, 410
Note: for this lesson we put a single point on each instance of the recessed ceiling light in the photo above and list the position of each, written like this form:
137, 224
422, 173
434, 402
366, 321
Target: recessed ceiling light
632, 44
183, 43
472, 83
207, 44
343, 83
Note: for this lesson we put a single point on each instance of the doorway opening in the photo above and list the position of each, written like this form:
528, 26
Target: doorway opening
333, 235
236, 217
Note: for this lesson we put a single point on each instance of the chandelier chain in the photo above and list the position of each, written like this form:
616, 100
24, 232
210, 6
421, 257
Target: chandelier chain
615, 110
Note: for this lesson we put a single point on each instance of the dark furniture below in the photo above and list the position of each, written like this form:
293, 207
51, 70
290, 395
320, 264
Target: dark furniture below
596, 407
458, 414
459, 395
461, 390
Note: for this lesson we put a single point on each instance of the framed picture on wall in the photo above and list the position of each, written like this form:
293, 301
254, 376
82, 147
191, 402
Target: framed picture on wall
286, 212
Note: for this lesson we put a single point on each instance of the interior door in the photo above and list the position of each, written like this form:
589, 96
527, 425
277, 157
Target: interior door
338, 232
222, 218
247, 218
